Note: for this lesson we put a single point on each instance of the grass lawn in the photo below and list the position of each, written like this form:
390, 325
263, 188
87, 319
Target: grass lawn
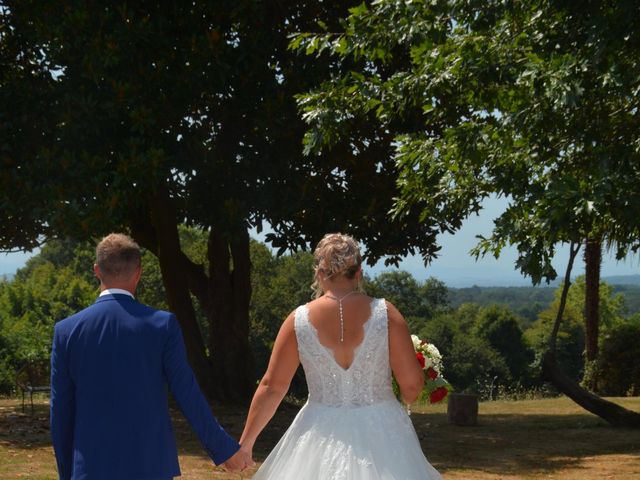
533, 439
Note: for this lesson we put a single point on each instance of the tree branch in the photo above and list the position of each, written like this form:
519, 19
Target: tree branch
197, 280
573, 252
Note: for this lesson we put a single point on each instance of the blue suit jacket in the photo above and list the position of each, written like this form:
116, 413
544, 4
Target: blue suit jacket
110, 367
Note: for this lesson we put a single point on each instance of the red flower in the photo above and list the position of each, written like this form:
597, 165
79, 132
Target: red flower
420, 358
438, 394
432, 374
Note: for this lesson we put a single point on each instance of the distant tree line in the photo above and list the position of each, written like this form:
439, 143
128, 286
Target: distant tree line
489, 347
528, 302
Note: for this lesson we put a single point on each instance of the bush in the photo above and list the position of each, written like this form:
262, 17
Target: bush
618, 368
501, 329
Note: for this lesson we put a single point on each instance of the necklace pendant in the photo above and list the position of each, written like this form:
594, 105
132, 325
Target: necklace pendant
339, 300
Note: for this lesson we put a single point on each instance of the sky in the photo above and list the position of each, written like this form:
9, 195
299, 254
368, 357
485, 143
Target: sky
454, 266
457, 268
10, 262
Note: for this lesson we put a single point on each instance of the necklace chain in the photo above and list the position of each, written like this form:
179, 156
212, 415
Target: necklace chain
339, 300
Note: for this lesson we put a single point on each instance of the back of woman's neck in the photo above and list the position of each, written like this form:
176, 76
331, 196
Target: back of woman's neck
340, 292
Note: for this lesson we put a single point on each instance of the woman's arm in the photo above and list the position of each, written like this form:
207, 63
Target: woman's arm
402, 357
274, 385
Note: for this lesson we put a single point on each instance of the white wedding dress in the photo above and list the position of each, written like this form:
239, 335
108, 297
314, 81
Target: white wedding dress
352, 427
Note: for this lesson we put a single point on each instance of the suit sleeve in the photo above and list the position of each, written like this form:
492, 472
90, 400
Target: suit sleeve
218, 444
62, 407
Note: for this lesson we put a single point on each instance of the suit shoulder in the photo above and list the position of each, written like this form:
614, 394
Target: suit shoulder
67, 323
157, 317
154, 312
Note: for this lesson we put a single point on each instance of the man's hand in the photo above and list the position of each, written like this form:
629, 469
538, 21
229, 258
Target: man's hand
239, 461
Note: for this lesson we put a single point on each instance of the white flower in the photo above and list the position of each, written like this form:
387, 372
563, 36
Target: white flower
416, 342
433, 351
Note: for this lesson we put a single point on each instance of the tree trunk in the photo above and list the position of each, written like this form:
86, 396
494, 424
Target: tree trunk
228, 314
611, 412
614, 414
462, 409
175, 282
592, 260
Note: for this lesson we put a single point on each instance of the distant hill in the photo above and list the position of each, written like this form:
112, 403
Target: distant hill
631, 297
622, 280
524, 301
528, 302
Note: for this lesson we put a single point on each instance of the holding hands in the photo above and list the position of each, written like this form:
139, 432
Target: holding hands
239, 461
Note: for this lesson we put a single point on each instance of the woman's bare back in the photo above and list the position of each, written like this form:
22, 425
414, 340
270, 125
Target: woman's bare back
324, 315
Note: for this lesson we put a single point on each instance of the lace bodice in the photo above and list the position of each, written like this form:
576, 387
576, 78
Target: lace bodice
368, 378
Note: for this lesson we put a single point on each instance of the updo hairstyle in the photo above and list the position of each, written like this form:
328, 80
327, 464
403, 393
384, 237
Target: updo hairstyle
336, 254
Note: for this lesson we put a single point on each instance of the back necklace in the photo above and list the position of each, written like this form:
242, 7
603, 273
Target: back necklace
339, 300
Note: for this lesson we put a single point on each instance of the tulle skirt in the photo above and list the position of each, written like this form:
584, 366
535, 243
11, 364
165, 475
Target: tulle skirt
373, 442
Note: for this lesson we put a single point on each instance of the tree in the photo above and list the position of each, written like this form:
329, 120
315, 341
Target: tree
501, 329
470, 362
41, 293
436, 295
533, 101
141, 117
569, 350
401, 289
418, 302
613, 413
618, 368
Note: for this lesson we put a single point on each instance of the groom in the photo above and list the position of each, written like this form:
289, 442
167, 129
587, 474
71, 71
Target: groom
110, 367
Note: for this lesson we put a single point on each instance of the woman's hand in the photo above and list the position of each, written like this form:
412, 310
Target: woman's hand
239, 461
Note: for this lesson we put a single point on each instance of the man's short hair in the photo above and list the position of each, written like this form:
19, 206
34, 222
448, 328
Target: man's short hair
117, 256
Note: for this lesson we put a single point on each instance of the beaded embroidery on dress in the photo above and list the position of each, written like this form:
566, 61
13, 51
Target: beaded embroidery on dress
352, 427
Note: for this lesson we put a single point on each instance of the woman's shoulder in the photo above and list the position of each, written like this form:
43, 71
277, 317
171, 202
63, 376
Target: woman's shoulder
393, 314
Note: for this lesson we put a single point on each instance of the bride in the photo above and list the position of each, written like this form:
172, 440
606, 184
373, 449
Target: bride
352, 427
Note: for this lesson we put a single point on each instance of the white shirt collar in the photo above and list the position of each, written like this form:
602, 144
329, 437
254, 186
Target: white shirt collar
115, 291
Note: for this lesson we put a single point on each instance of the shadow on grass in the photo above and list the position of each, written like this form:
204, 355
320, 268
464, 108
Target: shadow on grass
501, 444
24, 429
513, 444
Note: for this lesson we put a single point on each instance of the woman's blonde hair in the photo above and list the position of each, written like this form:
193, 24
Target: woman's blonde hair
336, 254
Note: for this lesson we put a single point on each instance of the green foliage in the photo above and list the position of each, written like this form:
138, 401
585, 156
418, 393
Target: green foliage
417, 301
618, 369
501, 329
570, 341
401, 289
526, 302
40, 295
441, 331
140, 117
470, 362
278, 285
631, 297
533, 101
476, 367
570, 346
193, 101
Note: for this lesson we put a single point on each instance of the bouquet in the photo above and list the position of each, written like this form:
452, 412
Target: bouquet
436, 388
